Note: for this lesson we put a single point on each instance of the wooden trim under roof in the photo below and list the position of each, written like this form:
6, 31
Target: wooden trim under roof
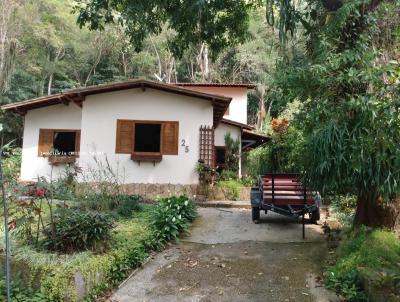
237, 124
239, 85
77, 96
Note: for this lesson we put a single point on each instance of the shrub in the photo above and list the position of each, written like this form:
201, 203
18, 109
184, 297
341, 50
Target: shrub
283, 154
205, 172
248, 181
98, 202
362, 254
128, 204
257, 161
19, 292
123, 205
232, 152
230, 188
64, 186
77, 230
228, 175
172, 216
344, 207
11, 163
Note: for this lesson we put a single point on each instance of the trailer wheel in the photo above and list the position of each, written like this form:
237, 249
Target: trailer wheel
255, 214
315, 216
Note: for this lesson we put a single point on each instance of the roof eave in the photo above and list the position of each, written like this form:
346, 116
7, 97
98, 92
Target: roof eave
229, 85
236, 124
220, 103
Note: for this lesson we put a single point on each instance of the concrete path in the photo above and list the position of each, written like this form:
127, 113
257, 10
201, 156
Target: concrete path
228, 258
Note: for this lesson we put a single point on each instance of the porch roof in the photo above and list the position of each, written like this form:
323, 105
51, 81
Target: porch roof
237, 124
252, 140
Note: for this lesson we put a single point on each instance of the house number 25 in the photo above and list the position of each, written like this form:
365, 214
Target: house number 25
183, 144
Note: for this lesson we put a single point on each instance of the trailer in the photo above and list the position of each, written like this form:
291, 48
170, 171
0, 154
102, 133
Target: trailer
285, 194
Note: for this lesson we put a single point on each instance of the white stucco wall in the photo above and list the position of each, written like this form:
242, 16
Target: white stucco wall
99, 120
219, 138
222, 129
52, 117
238, 106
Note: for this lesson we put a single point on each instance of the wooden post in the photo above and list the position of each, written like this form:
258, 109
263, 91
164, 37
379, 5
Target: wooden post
6, 236
273, 188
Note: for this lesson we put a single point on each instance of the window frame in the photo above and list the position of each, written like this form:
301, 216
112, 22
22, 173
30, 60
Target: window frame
134, 137
64, 131
53, 130
125, 137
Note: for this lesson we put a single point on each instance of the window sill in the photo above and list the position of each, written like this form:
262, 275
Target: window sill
60, 160
146, 156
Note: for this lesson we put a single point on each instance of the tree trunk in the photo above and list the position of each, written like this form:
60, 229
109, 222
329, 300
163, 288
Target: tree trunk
377, 213
50, 83
206, 72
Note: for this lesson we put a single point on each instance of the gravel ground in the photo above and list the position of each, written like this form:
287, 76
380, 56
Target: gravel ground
228, 258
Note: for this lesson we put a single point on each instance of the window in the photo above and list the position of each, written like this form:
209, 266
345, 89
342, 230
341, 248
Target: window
147, 138
159, 137
64, 142
60, 142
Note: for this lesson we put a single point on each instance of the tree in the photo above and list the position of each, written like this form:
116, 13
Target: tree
348, 83
8, 41
217, 23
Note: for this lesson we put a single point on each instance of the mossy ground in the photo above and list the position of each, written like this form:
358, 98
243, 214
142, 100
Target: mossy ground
367, 266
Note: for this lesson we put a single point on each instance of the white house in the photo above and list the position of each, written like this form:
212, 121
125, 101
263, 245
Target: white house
151, 133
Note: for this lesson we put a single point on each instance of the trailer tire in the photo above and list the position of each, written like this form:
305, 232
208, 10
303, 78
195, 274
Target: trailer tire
255, 214
315, 216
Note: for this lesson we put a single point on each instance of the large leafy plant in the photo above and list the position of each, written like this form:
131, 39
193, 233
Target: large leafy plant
172, 216
78, 230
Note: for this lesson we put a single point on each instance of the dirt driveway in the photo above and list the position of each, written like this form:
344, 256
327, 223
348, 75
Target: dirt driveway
228, 258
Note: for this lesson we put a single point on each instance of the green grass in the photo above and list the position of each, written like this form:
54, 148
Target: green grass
367, 257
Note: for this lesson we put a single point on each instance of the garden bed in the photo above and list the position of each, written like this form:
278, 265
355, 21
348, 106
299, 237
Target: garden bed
83, 275
73, 277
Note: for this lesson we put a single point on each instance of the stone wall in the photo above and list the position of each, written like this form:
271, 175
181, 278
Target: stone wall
151, 191
219, 194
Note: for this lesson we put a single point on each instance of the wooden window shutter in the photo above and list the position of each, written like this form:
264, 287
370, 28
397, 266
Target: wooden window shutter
170, 136
46, 137
124, 143
77, 142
